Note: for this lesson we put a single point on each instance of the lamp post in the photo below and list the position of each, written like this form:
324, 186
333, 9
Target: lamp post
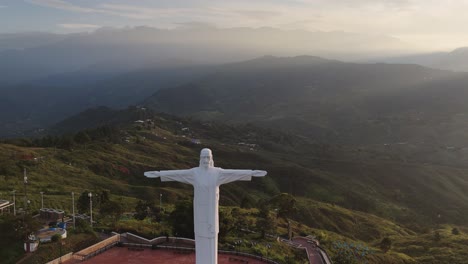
42, 200
238, 244
61, 243
73, 208
90, 195
25, 181
160, 202
268, 246
14, 202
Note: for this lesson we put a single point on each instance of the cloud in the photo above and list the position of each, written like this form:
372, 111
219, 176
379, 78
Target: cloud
389, 17
78, 26
127, 11
358, 3
59, 4
146, 13
257, 14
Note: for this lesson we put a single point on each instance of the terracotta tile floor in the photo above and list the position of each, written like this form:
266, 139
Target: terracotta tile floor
123, 255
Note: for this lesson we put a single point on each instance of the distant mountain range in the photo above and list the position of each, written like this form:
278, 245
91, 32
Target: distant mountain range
26, 57
48, 77
38, 105
323, 99
330, 101
456, 60
30, 56
26, 40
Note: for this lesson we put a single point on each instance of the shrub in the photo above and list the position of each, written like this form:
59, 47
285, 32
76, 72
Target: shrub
56, 238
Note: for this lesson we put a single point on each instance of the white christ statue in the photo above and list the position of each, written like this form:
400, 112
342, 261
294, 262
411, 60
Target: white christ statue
206, 180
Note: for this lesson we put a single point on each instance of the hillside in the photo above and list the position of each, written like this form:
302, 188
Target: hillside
339, 199
386, 181
455, 60
29, 57
33, 106
331, 101
42, 82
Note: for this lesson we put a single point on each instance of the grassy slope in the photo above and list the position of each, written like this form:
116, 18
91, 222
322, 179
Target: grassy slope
94, 167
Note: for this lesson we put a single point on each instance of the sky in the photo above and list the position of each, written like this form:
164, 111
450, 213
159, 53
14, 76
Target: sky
427, 24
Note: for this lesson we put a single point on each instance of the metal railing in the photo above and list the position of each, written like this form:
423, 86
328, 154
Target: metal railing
167, 247
191, 249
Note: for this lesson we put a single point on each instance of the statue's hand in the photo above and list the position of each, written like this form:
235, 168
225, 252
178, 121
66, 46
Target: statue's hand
152, 174
259, 173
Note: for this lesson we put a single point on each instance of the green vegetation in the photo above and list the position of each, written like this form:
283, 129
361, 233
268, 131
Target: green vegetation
400, 212
73, 243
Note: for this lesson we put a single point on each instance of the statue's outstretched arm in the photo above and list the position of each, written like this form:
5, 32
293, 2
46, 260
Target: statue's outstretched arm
259, 173
185, 176
152, 174
226, 176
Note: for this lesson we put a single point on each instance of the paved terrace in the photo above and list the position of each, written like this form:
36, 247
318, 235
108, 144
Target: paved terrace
160, 256
123, 249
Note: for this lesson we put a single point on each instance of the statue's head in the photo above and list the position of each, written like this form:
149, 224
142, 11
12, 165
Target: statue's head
206, 158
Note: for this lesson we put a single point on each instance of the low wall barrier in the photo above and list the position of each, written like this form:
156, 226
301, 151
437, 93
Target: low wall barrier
159, 240
97, 248
236, 253
144, 243
61, 259
324, 255
181, 249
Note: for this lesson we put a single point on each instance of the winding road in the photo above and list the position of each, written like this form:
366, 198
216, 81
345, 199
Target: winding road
316, 254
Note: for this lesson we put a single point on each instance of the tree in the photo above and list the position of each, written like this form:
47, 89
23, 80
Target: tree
349, 253
181, 219
266, 222
386, 244
103, 198
143, 209
15, 228
82, 137
247, 202
240, 220
7, 229
112, 210
56, 237
226, 224
83, 226
83, 202
67, 142
286, 204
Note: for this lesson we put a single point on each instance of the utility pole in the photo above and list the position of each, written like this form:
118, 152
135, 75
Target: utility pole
160, 207
73, 208
90, 195
160, 203
42, 200
14, 202
25, 178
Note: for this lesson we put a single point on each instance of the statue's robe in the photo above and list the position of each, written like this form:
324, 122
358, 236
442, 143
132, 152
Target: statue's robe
206, 182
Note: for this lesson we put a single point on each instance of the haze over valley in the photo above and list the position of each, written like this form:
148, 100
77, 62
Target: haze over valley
357, 110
